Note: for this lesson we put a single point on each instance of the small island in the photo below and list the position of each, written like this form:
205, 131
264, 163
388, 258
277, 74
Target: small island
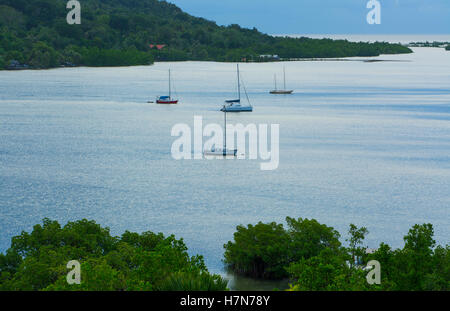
34, 34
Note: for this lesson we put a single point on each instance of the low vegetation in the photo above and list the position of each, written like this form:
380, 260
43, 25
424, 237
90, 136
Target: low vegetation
133, 262
35, 34
312, 257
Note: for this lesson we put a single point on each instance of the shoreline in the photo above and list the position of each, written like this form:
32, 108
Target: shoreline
344, 59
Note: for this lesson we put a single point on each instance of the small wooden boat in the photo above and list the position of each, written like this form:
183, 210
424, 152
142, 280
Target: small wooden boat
276, 91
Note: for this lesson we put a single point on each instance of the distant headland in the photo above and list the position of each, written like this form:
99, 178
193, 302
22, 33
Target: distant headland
34, 34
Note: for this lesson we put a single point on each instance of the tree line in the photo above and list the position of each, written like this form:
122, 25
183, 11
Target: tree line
37, 261
308, 253
119, 32
312, 257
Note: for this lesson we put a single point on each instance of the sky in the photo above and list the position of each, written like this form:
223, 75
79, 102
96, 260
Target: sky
325, 16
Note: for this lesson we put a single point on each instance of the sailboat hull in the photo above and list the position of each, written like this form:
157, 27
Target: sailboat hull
280, 92
237, 109
167, 102
221, 153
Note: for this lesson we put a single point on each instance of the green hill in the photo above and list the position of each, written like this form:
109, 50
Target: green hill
119, 33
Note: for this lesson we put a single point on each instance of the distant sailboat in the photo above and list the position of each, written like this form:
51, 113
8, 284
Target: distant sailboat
219, 151
167, 99
276, 91
234, 105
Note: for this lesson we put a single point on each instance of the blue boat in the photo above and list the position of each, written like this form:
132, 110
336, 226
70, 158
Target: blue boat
234, 105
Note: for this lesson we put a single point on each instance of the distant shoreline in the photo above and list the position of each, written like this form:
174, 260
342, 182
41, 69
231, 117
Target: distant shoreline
280, 61
391, 38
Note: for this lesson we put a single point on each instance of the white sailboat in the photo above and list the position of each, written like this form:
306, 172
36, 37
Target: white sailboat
234, 105
222, 152
276, 91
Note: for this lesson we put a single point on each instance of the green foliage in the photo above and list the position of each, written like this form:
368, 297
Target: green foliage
312, 257
416, 267
309, 238
357, 236
147, 261
96, 57
419, 265
123, 29
328, 271
43, 56
260, 251
182, 281
447, 47
265, 250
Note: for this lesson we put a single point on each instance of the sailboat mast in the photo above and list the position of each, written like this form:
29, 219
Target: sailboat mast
225, 135
239, 82
275, 80
170, 86
284, 73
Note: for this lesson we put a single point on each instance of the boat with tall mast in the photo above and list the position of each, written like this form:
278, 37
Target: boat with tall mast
276, 91
222, 152
167, 99
234, 105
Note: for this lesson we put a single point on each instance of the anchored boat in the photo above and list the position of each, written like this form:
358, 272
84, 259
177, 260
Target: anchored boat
218, 152
168, 100
235, 105
276, 91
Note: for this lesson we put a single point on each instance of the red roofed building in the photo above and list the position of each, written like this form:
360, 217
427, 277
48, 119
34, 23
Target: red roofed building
158, 46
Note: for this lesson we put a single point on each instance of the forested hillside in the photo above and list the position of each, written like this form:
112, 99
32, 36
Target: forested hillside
120, 32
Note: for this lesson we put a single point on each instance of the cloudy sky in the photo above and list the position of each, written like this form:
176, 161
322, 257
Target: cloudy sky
325, 16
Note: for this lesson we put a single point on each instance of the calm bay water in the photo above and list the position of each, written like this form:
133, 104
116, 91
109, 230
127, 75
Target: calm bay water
363, 143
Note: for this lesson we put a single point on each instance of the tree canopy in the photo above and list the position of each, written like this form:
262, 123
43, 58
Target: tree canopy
147, 261
307, 252
311, 256
265, 250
